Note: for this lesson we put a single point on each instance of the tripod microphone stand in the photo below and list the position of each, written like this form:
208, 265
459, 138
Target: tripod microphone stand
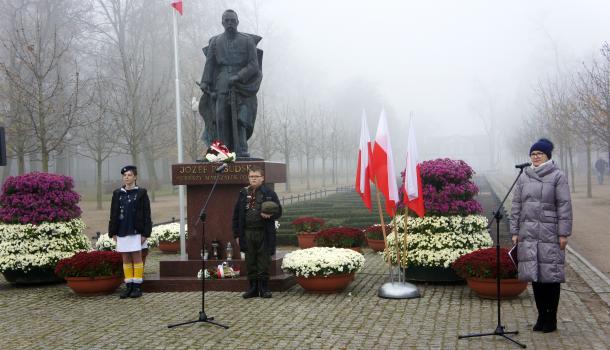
499, 327
202, 216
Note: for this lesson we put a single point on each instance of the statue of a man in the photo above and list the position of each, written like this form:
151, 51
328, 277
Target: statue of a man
231, 78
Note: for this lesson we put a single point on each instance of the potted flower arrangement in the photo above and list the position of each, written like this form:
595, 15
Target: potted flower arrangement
341, 237
92, 273
480, 270
323, 269
39, 225
374, 237
166, 237
451, 227
306, 228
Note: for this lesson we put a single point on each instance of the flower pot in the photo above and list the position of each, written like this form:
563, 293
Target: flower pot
376, 244
435, 274
169, 247
88, 286
326, 285
486, 287
306, 239
36, 275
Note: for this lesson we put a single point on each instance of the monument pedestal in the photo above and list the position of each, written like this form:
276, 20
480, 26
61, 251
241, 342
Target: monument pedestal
176, 276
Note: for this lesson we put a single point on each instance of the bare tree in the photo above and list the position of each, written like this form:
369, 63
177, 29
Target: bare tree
44, 74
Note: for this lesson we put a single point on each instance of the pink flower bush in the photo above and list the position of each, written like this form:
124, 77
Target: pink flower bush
38, 197
447, 187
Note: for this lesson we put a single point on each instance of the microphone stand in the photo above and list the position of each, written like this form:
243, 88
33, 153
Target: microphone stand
202, 216
499, 327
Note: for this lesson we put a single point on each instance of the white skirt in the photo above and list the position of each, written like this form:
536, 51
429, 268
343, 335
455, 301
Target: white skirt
131, 243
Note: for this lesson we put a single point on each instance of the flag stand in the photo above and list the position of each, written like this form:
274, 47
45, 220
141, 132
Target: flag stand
393, 289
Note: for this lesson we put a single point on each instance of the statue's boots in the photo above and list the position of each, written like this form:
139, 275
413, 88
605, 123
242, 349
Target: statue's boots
136, 291
252, 291
127, 291
264, 288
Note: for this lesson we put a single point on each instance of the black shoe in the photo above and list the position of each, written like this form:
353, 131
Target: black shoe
127, 291
539, 323
136, 292
550, 322
252, 291
263, 290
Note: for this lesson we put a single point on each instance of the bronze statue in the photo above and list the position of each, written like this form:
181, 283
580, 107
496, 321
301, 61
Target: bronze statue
231, 78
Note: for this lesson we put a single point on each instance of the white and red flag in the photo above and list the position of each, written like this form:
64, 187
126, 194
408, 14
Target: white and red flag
383, 166
177, 4
363, 178
412, 188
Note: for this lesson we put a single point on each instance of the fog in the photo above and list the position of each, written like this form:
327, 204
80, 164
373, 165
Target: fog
481, 81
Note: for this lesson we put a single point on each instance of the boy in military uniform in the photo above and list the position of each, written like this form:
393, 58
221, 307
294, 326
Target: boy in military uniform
254, 217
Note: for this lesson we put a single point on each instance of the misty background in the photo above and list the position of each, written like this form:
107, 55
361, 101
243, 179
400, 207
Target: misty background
87, 87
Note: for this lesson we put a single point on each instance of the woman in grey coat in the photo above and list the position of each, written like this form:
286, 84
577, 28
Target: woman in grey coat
541, 221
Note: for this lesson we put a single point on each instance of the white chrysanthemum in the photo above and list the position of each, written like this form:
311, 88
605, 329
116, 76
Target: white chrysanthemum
166, 232
23, 247
322, 261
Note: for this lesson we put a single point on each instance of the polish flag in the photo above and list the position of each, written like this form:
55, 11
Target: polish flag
383, 166
413, 196
177, 4
363, 184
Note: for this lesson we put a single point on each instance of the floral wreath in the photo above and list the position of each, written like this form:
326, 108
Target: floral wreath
218, 152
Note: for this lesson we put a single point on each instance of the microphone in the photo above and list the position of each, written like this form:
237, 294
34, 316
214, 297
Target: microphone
521, 166
222, 167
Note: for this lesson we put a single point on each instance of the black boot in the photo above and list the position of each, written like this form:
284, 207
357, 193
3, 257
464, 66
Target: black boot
263, 289
539, 298
252, 291
127, 291
136, 292
550, 320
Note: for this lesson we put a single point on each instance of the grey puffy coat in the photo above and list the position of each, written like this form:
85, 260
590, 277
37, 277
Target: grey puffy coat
541, 212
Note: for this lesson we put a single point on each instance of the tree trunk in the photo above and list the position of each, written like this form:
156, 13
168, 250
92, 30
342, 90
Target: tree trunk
572, 170
98, 183
588, 144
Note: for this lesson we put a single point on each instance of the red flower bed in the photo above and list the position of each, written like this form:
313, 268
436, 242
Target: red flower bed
482, 264
307, 224
340, 237
91, 264
375, 231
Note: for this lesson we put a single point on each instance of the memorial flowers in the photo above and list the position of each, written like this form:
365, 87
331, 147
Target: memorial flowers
307, 224
166, 233
218, 152
340, 237
105, 243
452, 226
91, 264
322, 261
482, 264
39, 223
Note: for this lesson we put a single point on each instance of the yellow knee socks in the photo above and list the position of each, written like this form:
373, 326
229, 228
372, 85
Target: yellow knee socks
128, 272
138, 272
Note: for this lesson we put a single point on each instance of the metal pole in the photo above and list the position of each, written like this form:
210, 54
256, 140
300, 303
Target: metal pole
179, 137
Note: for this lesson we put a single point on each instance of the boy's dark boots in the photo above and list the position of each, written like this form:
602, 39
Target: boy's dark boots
264, 288
136, 292
252, 291
127, 291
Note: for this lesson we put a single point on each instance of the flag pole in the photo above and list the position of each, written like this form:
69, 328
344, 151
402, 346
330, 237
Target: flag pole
179, 138
405, 241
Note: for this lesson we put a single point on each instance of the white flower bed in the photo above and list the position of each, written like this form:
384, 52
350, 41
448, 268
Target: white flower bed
23, 247
322, 261
166, 232
437, 241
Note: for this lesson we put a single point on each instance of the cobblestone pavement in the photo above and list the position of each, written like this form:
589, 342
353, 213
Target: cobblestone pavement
52, 317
